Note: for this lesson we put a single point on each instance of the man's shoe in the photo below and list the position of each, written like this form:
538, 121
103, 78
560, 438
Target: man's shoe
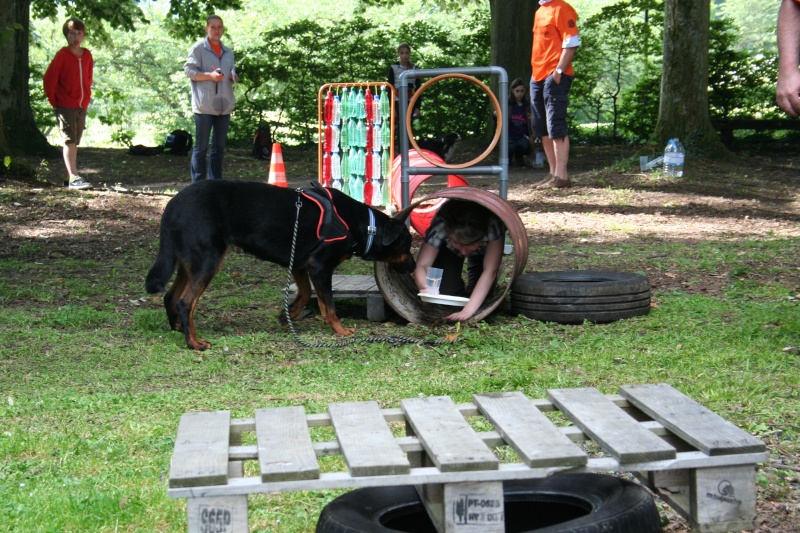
561, 183
77, 183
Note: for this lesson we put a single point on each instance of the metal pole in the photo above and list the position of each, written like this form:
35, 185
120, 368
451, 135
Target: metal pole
501, 169
401, 128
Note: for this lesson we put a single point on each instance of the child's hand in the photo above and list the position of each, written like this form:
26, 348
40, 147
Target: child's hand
461, 316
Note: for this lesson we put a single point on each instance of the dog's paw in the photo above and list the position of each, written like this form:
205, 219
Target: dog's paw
199, 345
345, 332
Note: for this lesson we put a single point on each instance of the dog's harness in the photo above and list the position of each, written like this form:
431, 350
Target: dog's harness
331, 227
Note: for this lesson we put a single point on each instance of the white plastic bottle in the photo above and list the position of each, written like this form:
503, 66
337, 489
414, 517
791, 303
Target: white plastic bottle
673, 159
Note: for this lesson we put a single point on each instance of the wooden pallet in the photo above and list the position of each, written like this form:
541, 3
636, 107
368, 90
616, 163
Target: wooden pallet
701, 464
358, 286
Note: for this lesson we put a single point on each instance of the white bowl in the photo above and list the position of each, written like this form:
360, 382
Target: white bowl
443, 299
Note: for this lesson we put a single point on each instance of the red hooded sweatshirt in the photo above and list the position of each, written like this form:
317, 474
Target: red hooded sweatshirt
68, 80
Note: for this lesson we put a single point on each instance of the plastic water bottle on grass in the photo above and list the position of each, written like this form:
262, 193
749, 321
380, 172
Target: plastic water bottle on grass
673, 159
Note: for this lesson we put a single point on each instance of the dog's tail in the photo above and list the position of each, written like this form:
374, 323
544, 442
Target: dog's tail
163, 267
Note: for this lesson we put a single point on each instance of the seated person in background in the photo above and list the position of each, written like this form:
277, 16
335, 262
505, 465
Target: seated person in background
462, 229
519, 123
395, 69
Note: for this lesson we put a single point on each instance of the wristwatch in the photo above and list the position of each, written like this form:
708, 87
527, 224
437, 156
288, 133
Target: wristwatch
559, 71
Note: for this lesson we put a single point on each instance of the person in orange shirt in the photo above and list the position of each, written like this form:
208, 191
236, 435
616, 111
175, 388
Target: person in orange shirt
68, 86
555, 40
788, 89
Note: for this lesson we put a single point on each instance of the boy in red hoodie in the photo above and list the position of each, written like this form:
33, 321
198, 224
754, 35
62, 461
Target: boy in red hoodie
68, 86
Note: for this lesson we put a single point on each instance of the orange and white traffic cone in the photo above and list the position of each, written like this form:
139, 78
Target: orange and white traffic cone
277, 172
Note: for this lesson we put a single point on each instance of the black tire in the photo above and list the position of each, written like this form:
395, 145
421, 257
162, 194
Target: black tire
568, 503
575, 296
588, 300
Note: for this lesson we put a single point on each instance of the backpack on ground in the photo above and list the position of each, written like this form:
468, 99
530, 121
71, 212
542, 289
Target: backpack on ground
179, 142
262, 143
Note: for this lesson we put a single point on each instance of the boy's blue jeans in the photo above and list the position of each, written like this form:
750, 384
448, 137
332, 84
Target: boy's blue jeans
203, 130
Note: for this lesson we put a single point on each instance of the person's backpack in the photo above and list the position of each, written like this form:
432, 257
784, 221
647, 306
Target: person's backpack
179, 142
262, 143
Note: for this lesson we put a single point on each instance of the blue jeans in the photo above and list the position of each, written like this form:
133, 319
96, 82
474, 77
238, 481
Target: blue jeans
203, 126
517, 148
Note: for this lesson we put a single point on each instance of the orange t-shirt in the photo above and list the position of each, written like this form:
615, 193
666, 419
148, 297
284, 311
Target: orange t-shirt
217, 48
554, 23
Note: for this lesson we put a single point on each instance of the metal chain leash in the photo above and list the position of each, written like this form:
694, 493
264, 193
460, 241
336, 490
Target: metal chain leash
394, 340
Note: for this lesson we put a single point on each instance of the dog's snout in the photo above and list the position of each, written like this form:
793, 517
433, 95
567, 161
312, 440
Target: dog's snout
404, 263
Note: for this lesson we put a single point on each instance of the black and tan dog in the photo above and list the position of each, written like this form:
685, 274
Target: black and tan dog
444, 147
201, 221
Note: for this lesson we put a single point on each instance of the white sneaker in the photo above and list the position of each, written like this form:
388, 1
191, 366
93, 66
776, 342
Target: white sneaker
77, 183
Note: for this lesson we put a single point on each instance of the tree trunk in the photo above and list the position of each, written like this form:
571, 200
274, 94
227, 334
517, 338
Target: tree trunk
511, 42
683, 106
512, 37
18, 131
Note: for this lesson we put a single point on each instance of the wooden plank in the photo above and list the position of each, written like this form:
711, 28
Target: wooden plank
366, 281
366, 441
619, 434
285, 450
342, 283
448, 439
200, 456
691, 421
354, 283
530, 433
356, 286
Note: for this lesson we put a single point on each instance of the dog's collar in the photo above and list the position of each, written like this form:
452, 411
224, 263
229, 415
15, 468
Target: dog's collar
372, 229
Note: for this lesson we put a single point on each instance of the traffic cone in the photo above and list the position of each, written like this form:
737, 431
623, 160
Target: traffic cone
277, 172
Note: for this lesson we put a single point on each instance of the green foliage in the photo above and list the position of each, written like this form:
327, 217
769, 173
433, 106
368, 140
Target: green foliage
640, 104
281, 77
140, 89
615, 45
619, 84
113, 113
185, 17
97, 16
740, 84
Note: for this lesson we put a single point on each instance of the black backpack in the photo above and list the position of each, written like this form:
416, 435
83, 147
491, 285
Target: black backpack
262, 143
179, 142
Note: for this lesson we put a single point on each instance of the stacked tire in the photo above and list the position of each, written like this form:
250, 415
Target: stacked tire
567, 503
577, 296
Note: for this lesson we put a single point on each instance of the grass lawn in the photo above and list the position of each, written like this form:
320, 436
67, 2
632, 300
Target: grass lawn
93, 383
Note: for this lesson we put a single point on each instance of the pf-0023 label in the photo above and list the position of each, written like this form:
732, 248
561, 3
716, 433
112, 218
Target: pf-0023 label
478, 511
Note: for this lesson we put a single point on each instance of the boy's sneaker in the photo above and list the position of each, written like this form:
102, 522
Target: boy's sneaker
77, 183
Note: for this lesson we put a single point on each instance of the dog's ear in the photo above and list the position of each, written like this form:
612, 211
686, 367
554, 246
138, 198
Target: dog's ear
392, 231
